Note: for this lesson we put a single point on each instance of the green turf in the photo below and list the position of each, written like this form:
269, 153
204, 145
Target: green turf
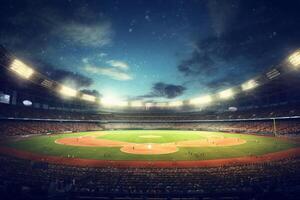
137, 136
256, 145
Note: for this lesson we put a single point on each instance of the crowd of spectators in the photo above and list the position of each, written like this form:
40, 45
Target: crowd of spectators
251, 113
16, 127
63, 121
270, 180
286, 127
12, 111
280, 127
268, 127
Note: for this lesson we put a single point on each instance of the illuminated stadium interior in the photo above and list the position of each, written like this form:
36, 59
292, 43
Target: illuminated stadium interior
149, 100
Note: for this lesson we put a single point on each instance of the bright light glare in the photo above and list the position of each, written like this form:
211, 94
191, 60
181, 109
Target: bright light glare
249, 85
109, 102
175, 103
161, 104
201, 100
149, 104
294, 59
21, 69
68, 91
122, 103
226, 94
87, 97
136, 104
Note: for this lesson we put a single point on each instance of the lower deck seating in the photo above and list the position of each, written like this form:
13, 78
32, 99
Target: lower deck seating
13, 128
277, 179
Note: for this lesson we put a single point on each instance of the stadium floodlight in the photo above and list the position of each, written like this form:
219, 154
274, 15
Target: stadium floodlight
201, 100
226, 94
249, 85
21, 69
47, 83
87, 97
66, 91
136, 104
294, 59
175, 103
272, 74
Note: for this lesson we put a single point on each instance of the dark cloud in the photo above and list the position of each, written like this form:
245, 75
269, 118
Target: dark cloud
28, 26
69, 78
91, 92
63, 76
161, 89
260, 36
222, 82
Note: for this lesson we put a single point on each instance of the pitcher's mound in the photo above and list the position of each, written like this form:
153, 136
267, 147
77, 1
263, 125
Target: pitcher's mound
149, 148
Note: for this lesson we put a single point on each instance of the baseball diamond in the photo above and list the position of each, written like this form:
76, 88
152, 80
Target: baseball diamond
134, 147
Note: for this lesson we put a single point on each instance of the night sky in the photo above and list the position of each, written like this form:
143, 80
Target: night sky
150, 49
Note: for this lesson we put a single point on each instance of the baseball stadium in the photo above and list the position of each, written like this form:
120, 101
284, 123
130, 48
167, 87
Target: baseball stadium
128, 101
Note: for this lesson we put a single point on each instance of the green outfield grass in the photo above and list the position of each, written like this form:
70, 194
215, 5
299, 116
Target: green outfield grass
255, 145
